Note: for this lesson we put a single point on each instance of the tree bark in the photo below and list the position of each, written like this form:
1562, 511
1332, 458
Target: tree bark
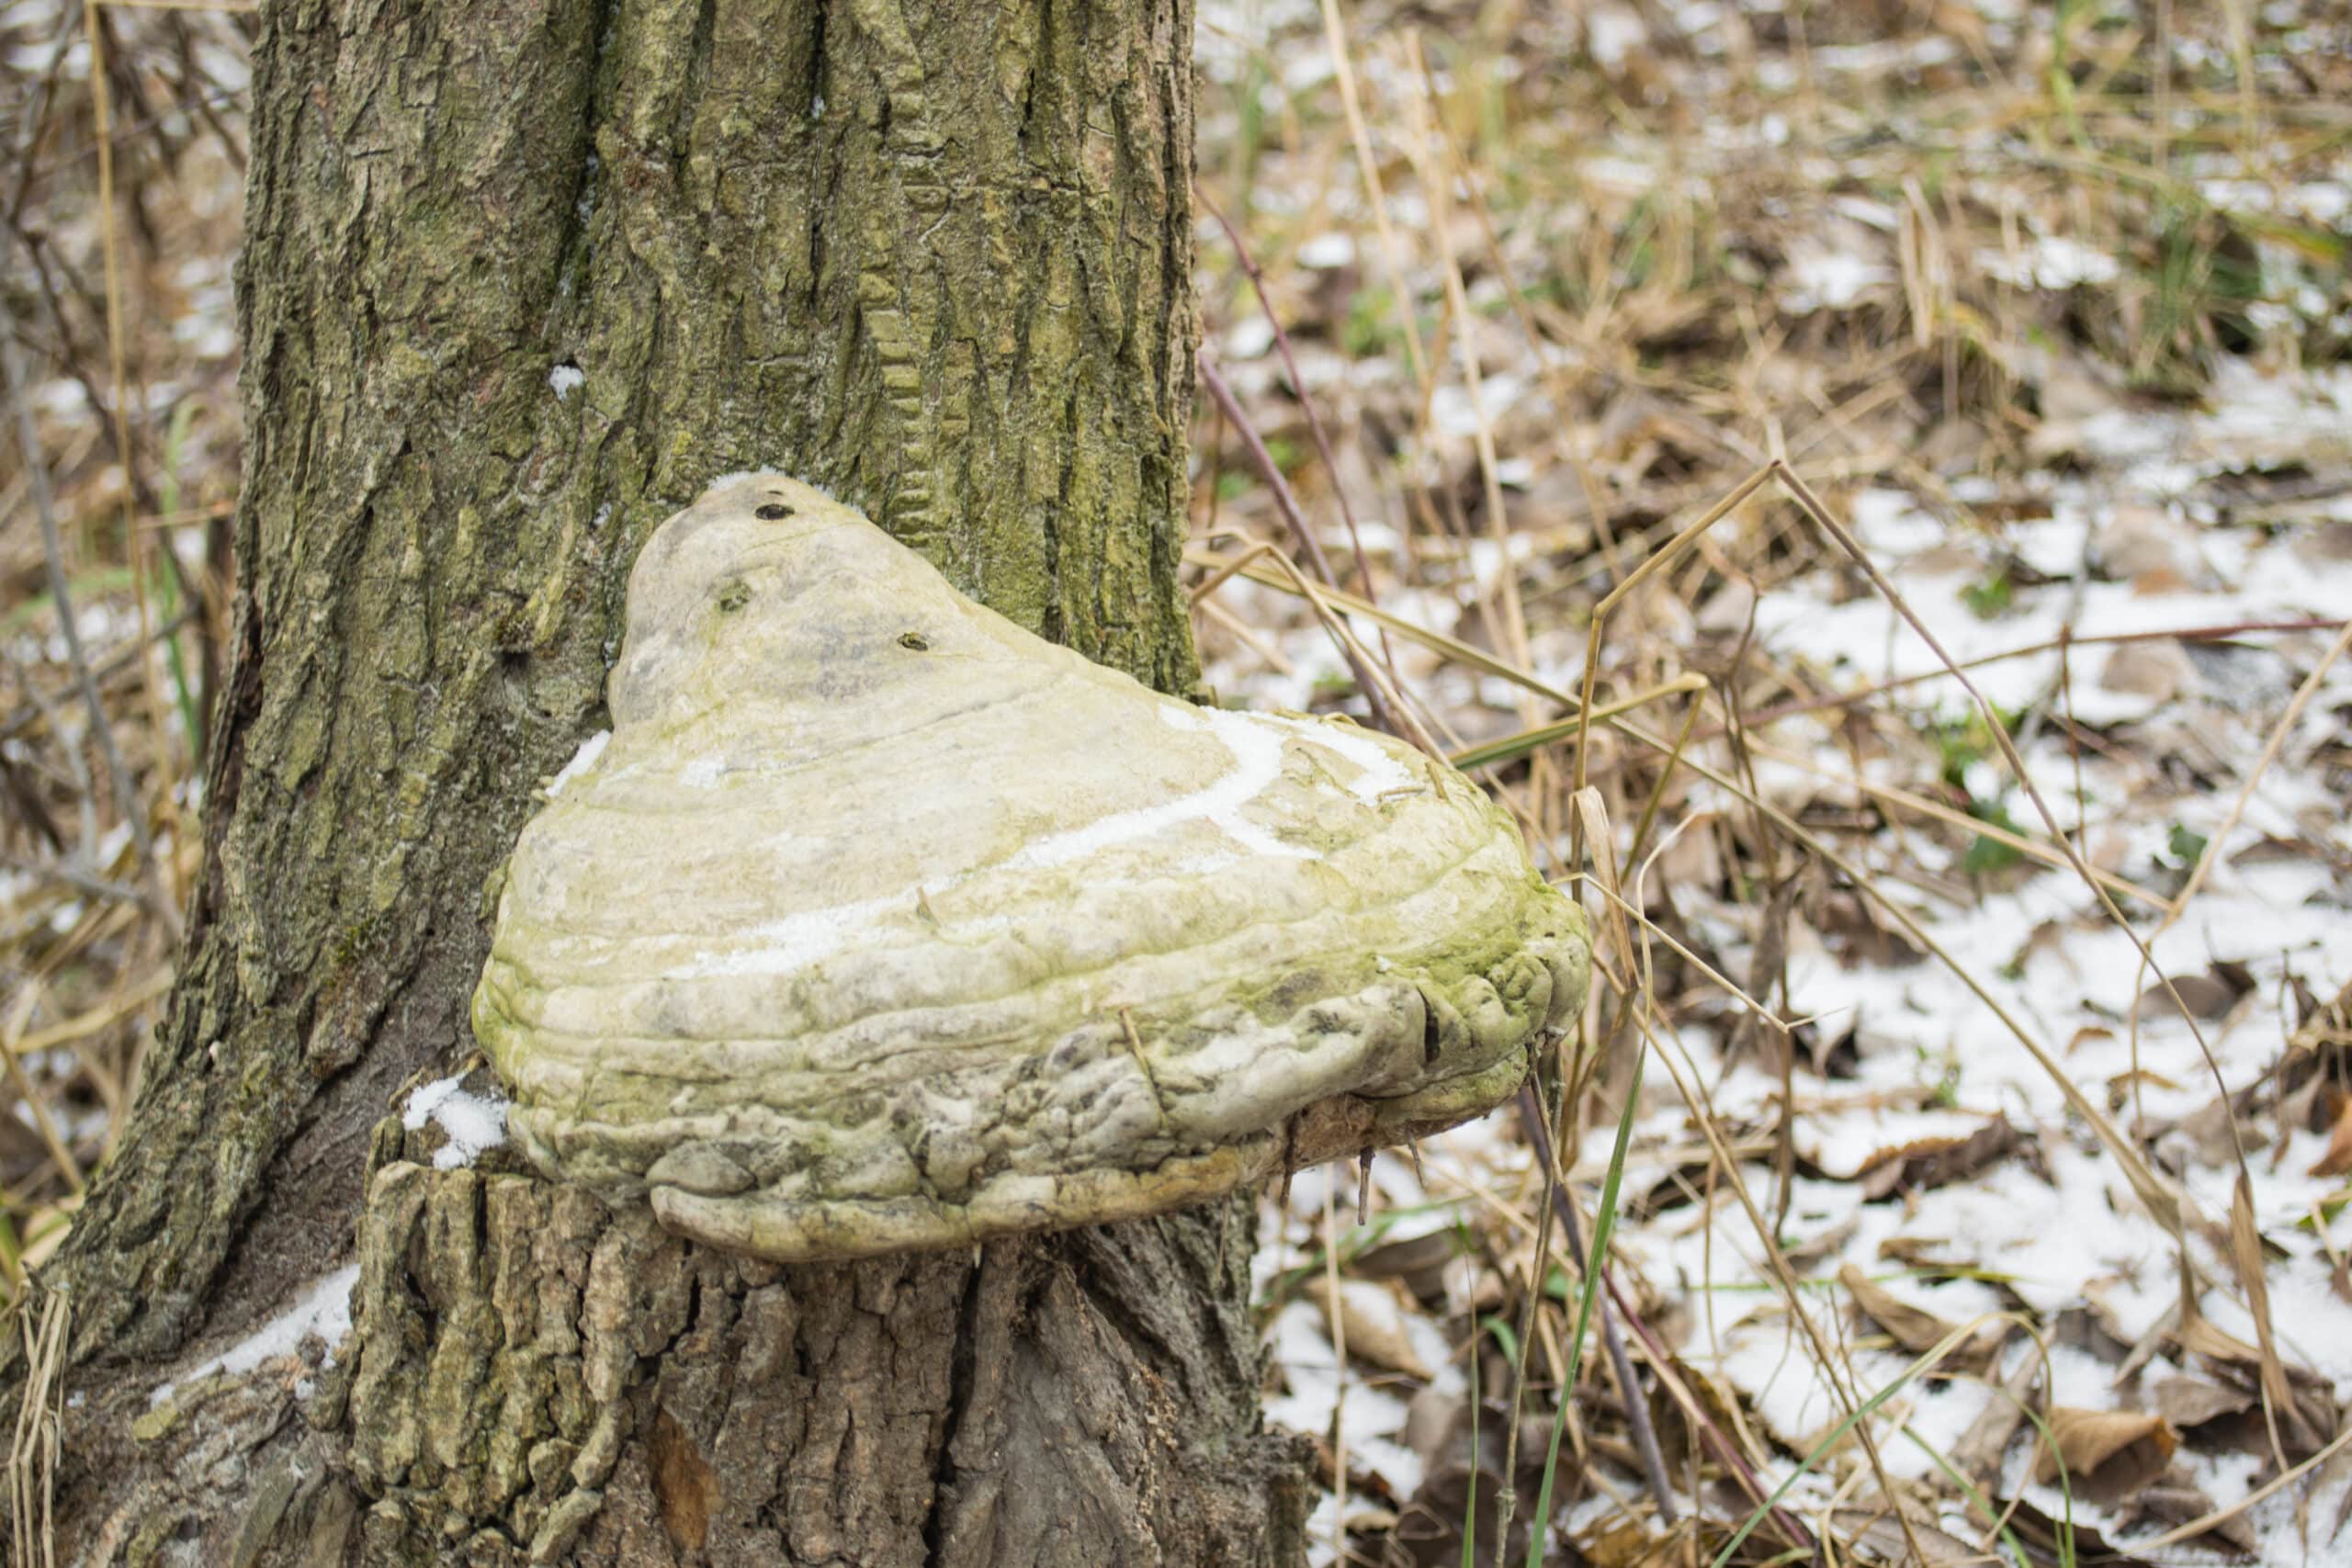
521, 277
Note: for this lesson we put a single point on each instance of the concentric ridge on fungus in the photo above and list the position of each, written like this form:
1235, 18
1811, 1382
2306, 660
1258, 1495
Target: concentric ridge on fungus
880, 923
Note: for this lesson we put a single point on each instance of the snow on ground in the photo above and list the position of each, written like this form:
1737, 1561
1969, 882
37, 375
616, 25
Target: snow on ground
2137, 538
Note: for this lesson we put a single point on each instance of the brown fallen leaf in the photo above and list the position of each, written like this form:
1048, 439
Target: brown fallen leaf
2245, 1252
2321, 1023
2090, 1034
2337, 1160
1937, 1162
1403, 1259
2325, 542
1913, 1328
2114, 1450
2155, 670
1931, 1254
1432, 1418
2044, 1539
1814, 1248
1873, 1535
2140, 542
1374, 1322
1979, 1451
2191, 1402
2313, 1407
2175, 1501
2206, 995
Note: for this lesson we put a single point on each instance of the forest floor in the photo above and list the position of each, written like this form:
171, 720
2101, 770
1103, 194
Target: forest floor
2053, 328
1976, 1148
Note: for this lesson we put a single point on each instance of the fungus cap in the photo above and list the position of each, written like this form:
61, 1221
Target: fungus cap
879, 923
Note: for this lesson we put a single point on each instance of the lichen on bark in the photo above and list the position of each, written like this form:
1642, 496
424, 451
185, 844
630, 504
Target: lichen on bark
536, 1377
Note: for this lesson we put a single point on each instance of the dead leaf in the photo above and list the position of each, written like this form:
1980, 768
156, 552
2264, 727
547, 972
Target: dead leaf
1929, 1254
2246, 1251
2314, 1406
1630, 1545
1432, 1417
1405, 1259
1853, 928
2115, 1451
2199, 1336
2192, 1402
1874, 1535
2325, 542
2209, 1131
2175, 1501
2090, 1034
2207, 996
2041, 1536
1815, 1248
1373, 1323
1937, 1162
1916, 1330
2140, 542
2158, 670
2337, 1160
1979, 1451
2331, 1024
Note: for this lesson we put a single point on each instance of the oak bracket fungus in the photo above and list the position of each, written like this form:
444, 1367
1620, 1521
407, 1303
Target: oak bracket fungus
878, 923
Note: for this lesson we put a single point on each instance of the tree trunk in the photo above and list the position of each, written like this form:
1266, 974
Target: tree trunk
521, 277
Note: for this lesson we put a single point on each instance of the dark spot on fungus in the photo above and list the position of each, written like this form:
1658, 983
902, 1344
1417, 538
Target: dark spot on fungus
774, 512
734, 597
914, 642
1432, 1032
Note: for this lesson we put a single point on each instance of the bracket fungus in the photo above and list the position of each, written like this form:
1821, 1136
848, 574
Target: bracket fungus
881, 924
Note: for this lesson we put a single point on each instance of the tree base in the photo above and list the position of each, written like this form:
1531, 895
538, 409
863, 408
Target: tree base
534, 1377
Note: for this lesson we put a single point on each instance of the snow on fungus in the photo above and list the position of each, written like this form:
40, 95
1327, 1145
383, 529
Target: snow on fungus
581, 760
880, 924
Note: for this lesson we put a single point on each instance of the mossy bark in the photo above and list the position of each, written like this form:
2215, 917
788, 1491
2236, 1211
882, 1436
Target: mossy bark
521, 277
538, 1378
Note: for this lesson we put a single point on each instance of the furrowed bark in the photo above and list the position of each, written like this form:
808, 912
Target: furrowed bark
521, 277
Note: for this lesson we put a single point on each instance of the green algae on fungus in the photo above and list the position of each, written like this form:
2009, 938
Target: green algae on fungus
878, 923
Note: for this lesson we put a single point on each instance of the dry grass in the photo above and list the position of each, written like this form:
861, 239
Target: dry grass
122, 202
1638, 300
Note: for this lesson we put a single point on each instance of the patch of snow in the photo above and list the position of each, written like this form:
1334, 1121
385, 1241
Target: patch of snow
1610, 34
474, 1125
797, 941
1327, 250
2052, 262
581, 760
1378, 773
1824, 279
1248, 338
324, 1312
1256, 745
564, 379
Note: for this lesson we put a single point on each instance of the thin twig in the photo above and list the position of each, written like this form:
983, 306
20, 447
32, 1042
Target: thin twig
1287, 505
1637, 1414
1256, 274
126, 797
106, 670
